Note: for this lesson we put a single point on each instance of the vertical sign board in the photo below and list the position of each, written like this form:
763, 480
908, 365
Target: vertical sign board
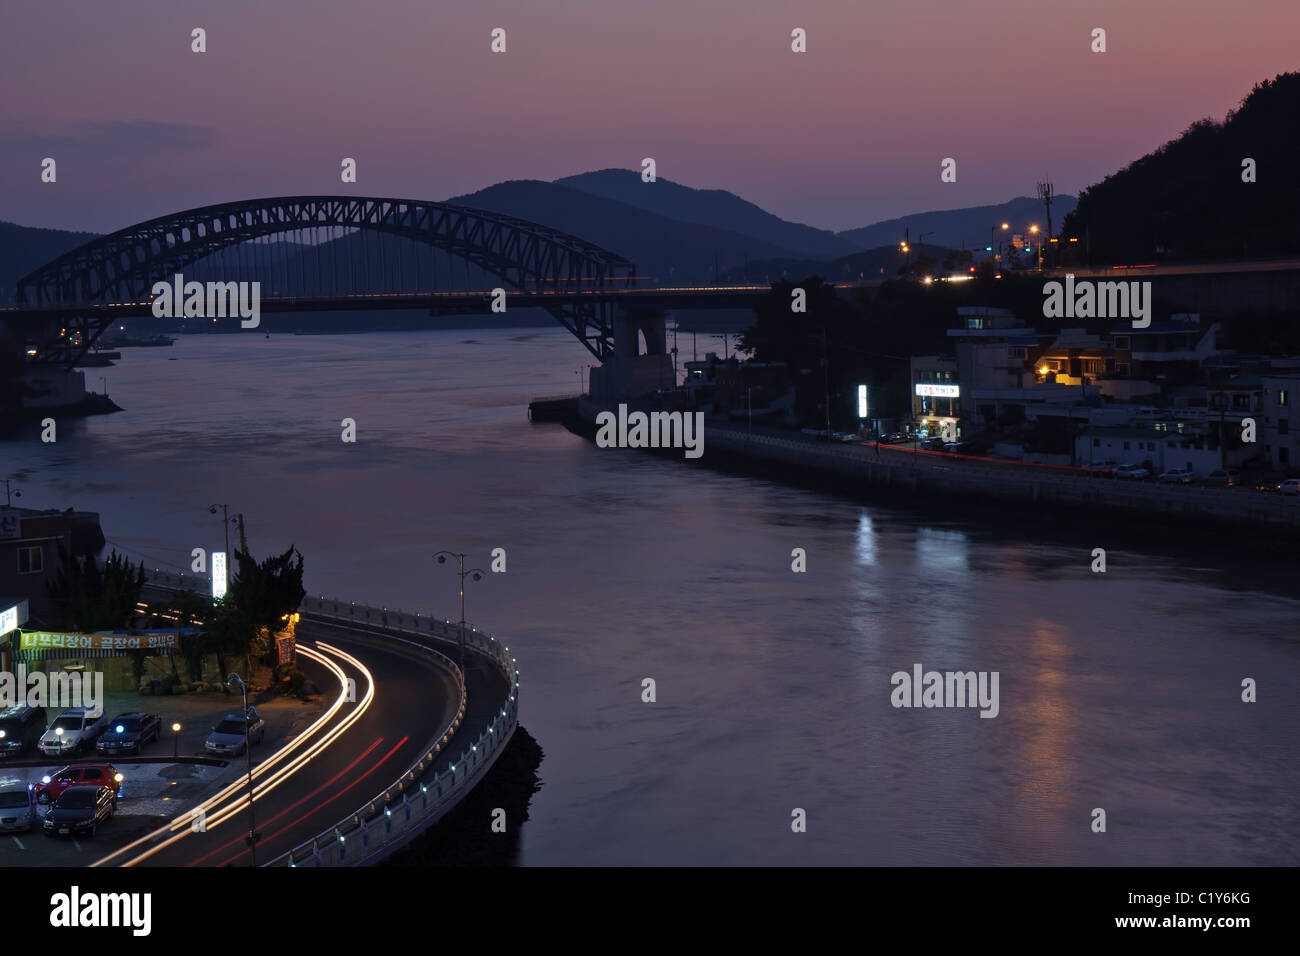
11, 618
862, 401
218, 574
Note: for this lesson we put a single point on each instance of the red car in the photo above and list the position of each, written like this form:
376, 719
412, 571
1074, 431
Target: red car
95, 774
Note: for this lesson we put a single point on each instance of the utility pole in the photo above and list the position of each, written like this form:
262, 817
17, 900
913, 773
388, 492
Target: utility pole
1045, 194
675, 379
826, 372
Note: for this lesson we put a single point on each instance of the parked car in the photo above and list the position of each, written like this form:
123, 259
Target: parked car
895, 438
1228, 477
21, 727
934, 444
51, 785
1290, 487
73, 731
127, 733
1269, 482
1177, 476
17, 806
228, 736
79, 809
1131, 471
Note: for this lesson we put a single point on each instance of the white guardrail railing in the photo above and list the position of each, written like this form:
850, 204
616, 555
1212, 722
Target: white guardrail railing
422, 795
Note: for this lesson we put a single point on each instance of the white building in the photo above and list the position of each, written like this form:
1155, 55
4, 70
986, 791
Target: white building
1164, 450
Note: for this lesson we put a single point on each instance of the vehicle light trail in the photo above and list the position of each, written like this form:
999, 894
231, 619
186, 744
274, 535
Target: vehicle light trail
183, 821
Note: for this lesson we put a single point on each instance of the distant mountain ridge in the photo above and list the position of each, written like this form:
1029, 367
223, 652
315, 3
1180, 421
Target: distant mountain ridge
963, 228
717, 208
26, 248
663, 248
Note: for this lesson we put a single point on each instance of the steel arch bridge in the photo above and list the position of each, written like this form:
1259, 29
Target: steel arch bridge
120, 268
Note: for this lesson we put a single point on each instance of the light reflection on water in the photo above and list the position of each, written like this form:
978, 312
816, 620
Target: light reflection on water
1118, 691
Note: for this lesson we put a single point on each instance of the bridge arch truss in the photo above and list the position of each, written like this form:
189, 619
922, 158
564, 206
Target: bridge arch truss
123, 266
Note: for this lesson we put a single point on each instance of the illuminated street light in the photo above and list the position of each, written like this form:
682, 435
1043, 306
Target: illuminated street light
477, 574
176, 740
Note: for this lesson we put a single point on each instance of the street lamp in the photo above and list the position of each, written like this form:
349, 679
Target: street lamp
11, 495
993, 246
176, 740
225, 525
232, 680
477, 573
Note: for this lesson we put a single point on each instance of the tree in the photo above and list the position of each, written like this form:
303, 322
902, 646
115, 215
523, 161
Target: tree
183, 610
261, 596
229, 631
91, 600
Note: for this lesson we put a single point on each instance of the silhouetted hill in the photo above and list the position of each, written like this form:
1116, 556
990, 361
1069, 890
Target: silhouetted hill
954, 227
709, 207
879, 263
24, 248
661, 247
1186, 200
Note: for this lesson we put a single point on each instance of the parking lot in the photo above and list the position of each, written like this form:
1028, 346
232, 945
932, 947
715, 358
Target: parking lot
155, 787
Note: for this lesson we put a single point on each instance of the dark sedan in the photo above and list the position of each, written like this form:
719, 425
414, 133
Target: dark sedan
128, 733
79, 810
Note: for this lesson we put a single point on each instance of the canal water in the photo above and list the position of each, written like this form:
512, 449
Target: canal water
1118, 691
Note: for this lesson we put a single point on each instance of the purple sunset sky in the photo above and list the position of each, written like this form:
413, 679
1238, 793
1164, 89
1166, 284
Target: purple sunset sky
849, 133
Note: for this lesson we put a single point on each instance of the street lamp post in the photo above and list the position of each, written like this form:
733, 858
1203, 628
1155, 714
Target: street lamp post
176, 740
248, 753
477, 573
11, 495
225, 526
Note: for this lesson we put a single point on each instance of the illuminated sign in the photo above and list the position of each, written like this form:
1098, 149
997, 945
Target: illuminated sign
100, 642
939, 391
12, 617
862, 401
218, 574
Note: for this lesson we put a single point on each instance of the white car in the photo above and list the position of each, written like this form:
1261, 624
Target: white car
73, 731
1131, 471
1290, 487
230, 735
1177, 476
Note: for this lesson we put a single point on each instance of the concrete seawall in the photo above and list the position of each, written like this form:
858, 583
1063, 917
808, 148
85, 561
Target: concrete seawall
899, 474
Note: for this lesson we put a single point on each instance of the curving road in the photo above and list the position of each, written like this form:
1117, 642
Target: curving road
355, 750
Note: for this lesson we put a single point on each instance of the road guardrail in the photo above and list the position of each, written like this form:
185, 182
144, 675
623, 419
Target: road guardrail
421, 795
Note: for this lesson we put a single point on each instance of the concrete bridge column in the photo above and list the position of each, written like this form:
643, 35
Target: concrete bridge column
633, 371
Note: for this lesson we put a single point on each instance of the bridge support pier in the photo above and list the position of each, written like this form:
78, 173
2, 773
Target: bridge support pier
640, 363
